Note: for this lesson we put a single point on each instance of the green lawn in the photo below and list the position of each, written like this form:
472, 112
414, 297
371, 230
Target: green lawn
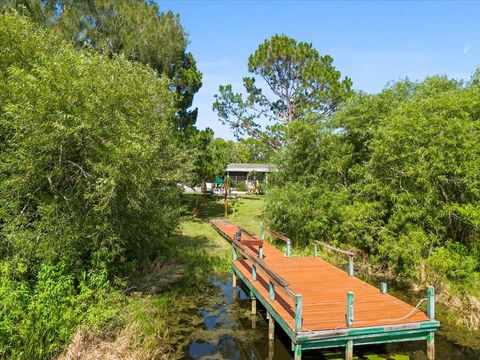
247, 210
200, 248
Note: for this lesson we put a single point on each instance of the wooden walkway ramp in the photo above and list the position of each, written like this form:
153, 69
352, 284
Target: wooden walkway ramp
319, 305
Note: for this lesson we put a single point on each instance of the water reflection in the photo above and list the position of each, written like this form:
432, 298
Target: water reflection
229, 331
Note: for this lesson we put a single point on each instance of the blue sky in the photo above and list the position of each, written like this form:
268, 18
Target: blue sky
373, 43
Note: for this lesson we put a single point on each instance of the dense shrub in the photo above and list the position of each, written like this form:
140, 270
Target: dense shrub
240, 186
89, 159
88, 153
396, 175
39, 317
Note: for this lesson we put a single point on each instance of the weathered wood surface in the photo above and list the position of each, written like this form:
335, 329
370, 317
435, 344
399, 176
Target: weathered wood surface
324, 289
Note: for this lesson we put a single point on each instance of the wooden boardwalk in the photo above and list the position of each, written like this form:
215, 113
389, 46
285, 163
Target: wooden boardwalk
319, 305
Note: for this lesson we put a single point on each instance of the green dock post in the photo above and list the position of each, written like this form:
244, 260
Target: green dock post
287, 251
298, 313
431, 316
271, 291
260, 252
350, 266
315, 250
298, 352
431, 303
383, 287
254, 272
262, 232
234, 253
349, 316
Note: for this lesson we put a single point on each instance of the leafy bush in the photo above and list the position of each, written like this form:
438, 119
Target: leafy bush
396, 175
89, 159
89, 155
453, 261
240, 186
39, 317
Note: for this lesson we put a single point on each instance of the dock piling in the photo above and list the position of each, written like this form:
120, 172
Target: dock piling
431, 346
298, 313
350, 266
288, 250
383, 287
431, 315
271, 291
349, 350
349, 315
234, 286
271, 349
298, 352
234, 280
431, 303
271, 328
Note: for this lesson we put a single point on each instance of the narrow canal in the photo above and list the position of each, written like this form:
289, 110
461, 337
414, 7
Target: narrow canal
225, 329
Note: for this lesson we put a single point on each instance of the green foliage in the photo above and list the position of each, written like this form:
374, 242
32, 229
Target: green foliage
249, 150
300, 80
209, 156
38, 320
396, 175
240, 186
136, 29
89, 161
453, 261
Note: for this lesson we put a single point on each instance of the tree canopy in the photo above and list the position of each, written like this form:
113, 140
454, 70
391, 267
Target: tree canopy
396, 174
136, 29
88, 173
299, 83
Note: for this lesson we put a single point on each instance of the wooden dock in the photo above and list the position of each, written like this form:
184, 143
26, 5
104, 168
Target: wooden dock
319, 305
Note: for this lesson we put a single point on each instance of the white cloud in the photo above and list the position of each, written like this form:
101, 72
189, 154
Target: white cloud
466, 49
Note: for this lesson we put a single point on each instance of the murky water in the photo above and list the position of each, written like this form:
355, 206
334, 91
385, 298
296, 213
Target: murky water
227, 330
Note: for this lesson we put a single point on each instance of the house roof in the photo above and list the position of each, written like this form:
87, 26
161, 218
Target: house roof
250, 167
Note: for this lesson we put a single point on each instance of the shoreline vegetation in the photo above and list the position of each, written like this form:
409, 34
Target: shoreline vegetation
159, 313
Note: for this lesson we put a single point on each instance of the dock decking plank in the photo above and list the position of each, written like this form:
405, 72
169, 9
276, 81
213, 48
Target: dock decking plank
324, 288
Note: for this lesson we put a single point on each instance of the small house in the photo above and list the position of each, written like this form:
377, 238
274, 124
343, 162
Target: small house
249, 174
